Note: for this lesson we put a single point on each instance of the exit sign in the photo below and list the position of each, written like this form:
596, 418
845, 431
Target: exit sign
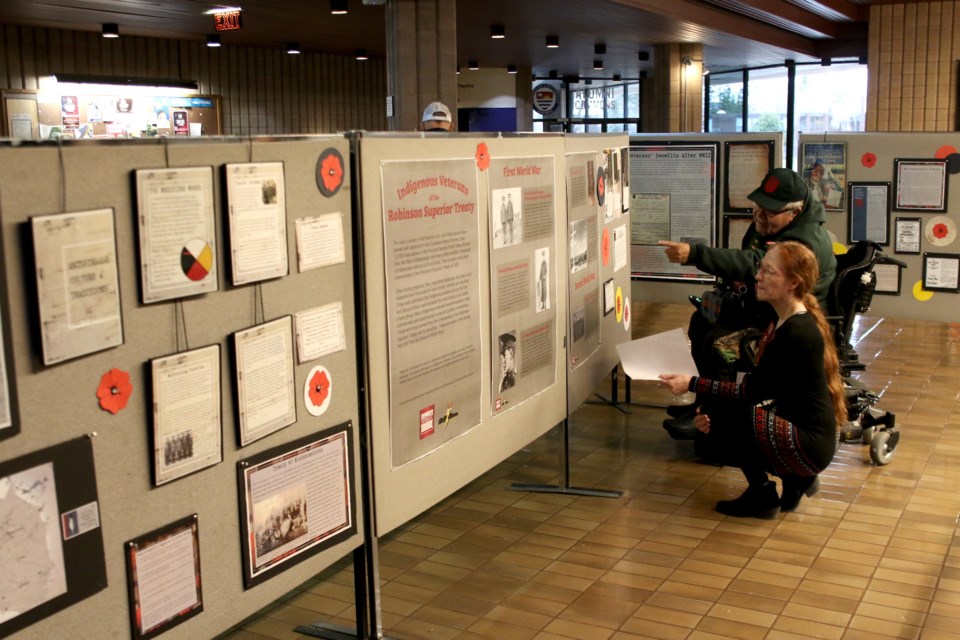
227, 20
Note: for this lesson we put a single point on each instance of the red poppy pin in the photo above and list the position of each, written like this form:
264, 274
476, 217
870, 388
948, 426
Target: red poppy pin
330, 172
114, 390
771, 184
483, 156
940, 230
316, 393
868, 160
945, 151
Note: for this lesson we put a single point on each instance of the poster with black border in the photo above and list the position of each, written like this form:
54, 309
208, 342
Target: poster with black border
9, 407
824, 171
920, 185
889, 277
941, 272
869, 217
163, 578
185, 396
178, 235
257, 214
52, 552
296, 500
673, 188
265, 379
746, 164
78, 283
906, 235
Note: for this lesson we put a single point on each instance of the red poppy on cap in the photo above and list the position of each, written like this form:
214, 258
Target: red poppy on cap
771, 184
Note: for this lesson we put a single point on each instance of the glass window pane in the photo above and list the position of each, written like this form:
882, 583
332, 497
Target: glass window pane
726, 102
767, 100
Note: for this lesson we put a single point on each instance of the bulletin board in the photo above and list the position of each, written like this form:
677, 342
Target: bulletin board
106, 396
598, 272
467, 360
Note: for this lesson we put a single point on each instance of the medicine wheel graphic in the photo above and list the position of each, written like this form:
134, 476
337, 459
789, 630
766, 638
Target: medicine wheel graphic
196, 259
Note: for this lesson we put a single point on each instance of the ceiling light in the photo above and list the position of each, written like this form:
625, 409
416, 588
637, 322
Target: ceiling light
293, 48
458, 69
213, 40
497, 32
617, 77
598, 65
473, 65
210, 12
553, 42
600, 49
643, 56
111, 30
511, 68
338, 7
362, 54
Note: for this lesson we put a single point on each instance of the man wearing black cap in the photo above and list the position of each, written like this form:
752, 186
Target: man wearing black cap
783, 209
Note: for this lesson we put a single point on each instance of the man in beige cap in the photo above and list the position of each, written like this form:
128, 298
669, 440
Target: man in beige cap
436, 117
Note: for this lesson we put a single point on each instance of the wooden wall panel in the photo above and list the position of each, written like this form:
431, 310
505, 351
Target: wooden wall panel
263, 91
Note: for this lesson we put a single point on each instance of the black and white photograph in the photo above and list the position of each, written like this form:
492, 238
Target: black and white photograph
541, 270
579, 246
280, 519
506, 217
508, 361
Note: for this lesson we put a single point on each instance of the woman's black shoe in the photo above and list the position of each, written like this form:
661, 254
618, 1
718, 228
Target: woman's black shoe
758, 501
795, 487
681, 410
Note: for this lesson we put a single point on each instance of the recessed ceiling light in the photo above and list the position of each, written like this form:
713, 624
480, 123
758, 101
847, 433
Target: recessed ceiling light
553, 42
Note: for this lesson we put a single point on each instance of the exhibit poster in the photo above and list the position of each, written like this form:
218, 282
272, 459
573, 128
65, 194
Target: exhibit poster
522, 279
673, 192
266, 385
746, 164
77, 283
186, 413
825, 173
296, 500
178, 235
431, 256
583, 290
256, 203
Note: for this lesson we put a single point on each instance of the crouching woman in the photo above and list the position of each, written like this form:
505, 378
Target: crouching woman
794, 397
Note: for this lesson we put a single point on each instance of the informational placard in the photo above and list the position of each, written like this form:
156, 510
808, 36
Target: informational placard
266, 385
186, 413
9, 407
523, 279
178, 236
163, 578
869, 212
825, 172
889, 278
77, 283
431, 257
295, 501
684, 172
583, 291
746, 163
320, 241
941, 272
52, 551
920, 185
320, 332
907, 233
256, 202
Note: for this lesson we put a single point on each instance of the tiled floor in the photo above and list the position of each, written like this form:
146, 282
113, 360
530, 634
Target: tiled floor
876, 554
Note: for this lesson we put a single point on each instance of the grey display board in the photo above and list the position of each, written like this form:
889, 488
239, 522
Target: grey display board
604, 282
433, 242
60, 402
873, 158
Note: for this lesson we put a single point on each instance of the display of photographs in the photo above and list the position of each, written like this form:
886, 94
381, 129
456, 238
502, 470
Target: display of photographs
920, 185
178, 235
906, 235
9, 407
52, 551
941, 272
256, 205
266, 394
163, 578
295, 501
78, 285
825, 172
186, 413
735, 228
869, 217
888, 279
747, 163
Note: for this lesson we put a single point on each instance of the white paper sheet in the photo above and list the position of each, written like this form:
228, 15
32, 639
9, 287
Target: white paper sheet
646, 358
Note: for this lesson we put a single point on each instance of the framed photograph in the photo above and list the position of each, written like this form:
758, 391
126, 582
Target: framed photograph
52, 551
78, 287
9, 407
746, 163
295, 501
824, 170
185, 396
257, 211
869, 217
906, 235
178, 235
888, 279
940, 272
266, 393
920, 185
735, 227
163, 578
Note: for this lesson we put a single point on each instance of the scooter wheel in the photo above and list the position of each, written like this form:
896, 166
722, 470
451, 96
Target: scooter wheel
881, 449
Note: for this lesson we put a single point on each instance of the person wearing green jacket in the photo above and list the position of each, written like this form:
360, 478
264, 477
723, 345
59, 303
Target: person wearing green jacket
783, 209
